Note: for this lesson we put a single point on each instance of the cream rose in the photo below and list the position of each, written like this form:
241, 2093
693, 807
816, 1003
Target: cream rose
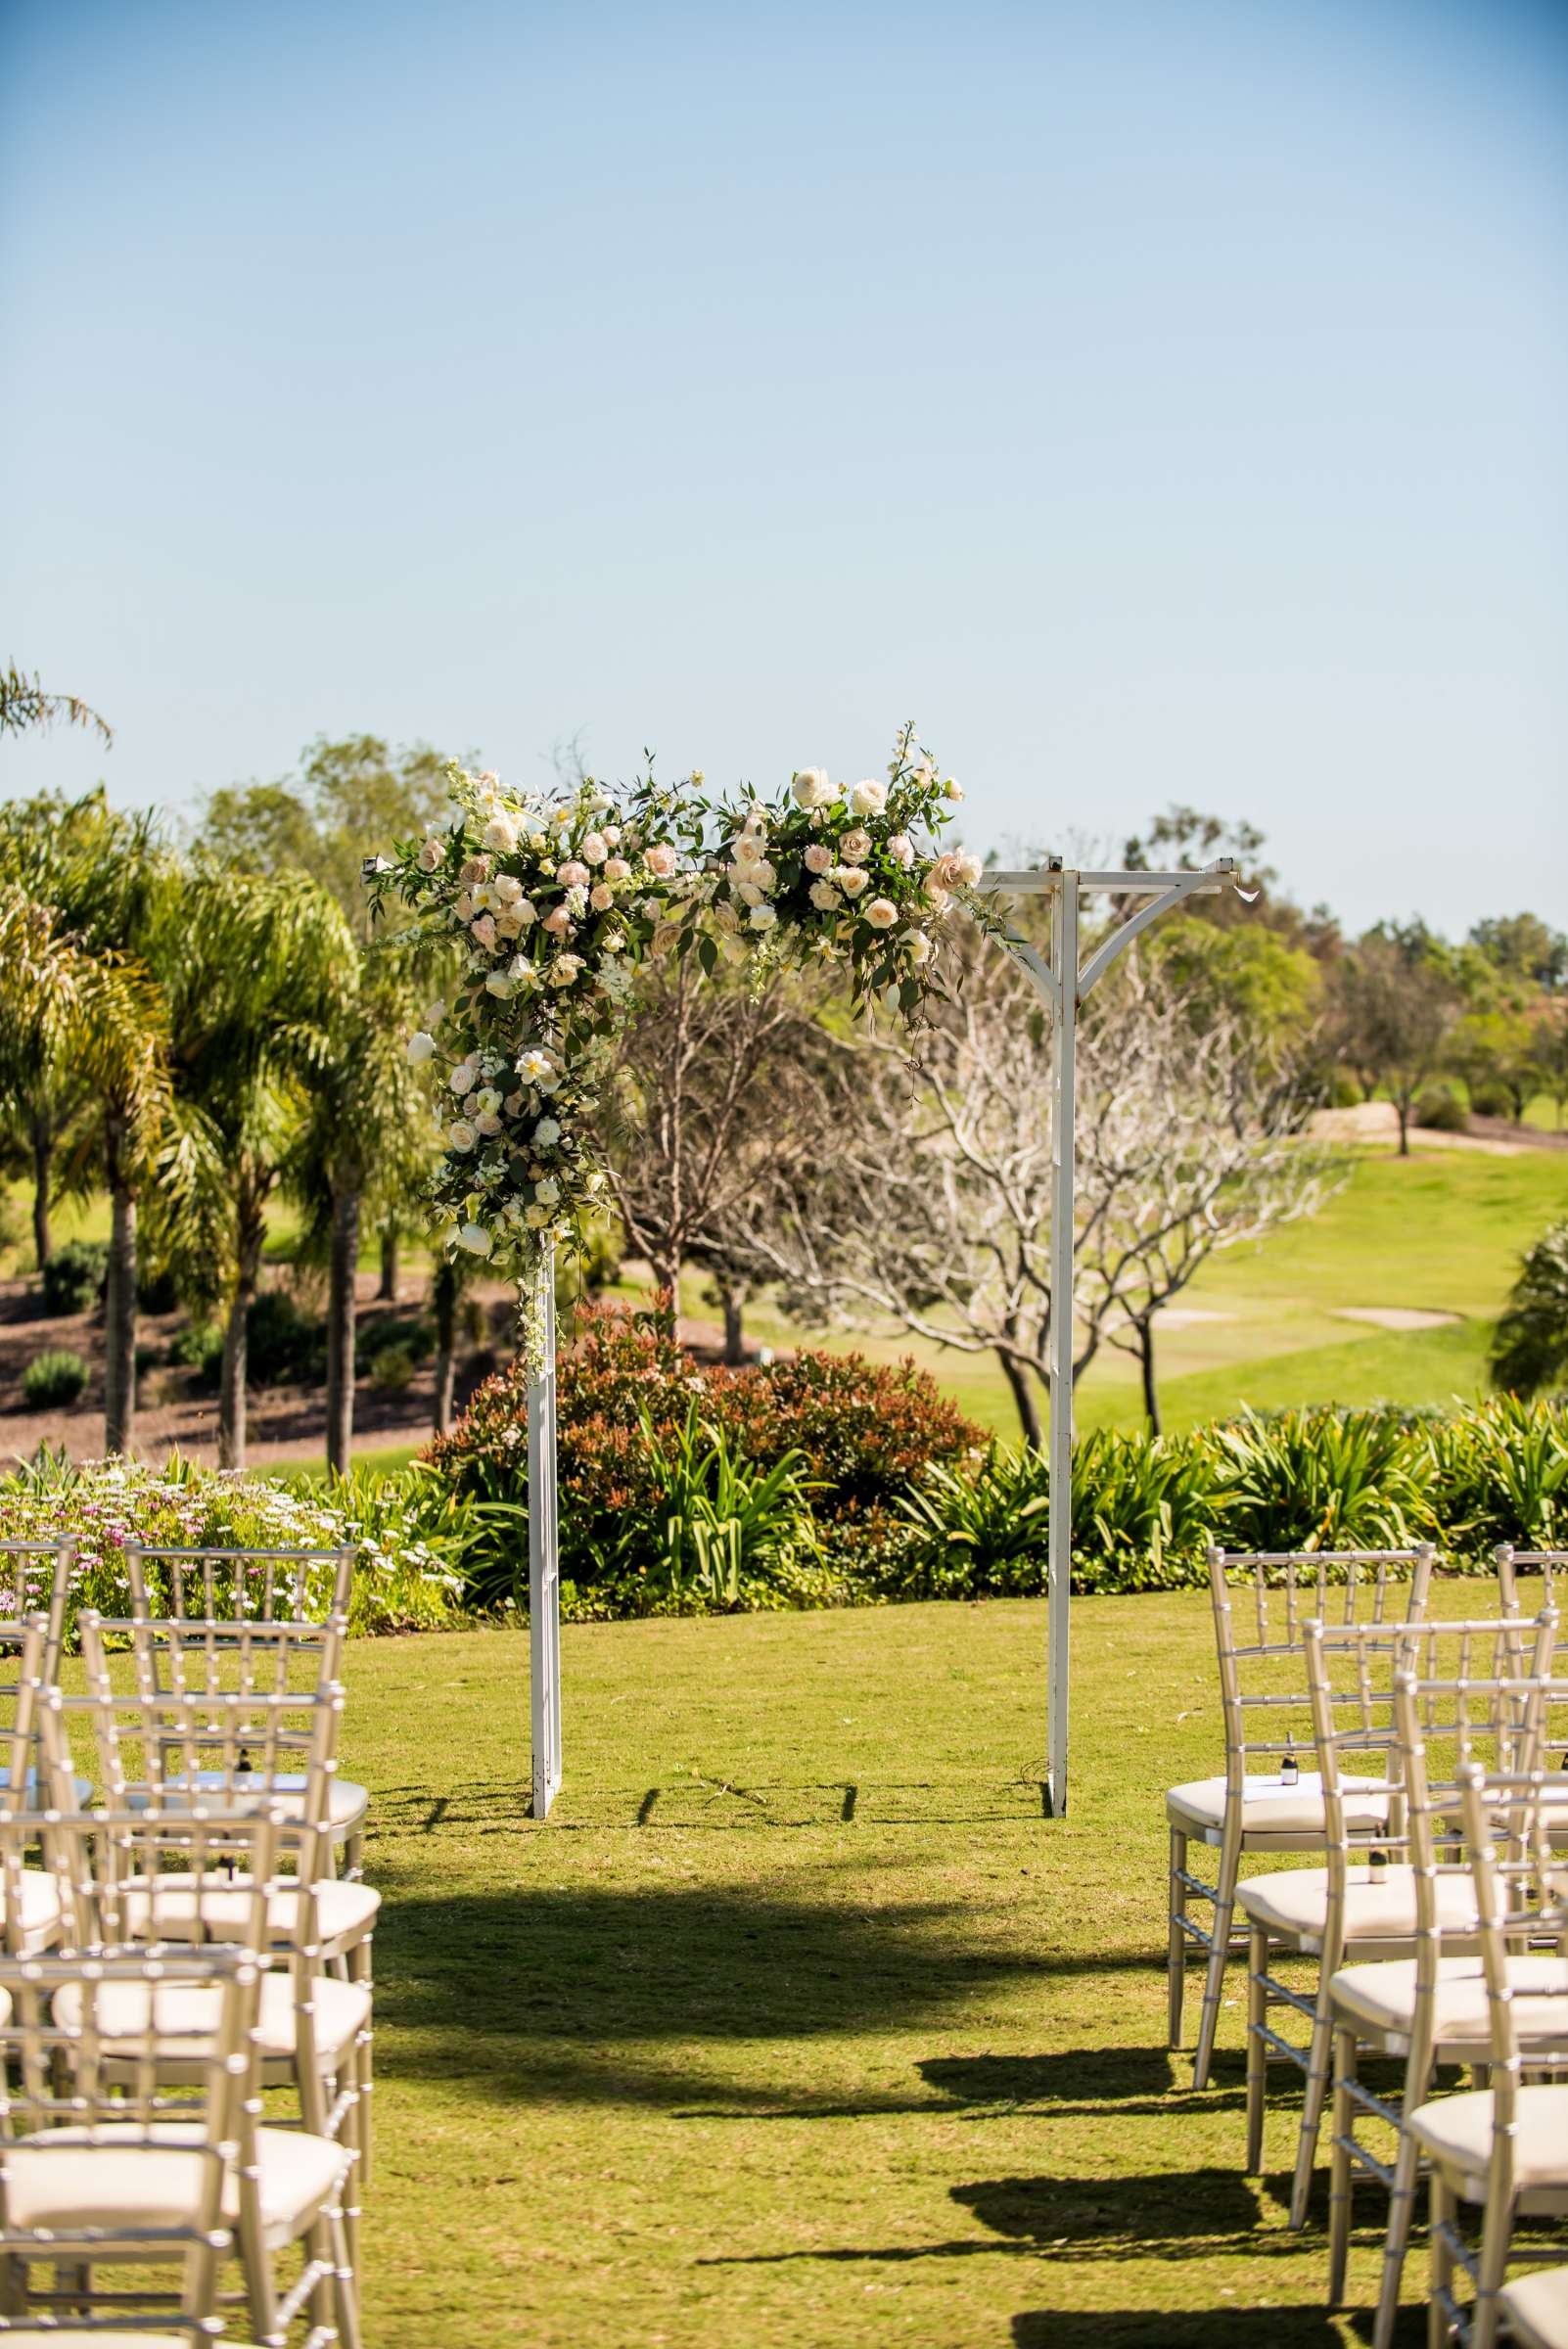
500, 833
851, 878
825, 897
818, 856
869, 798
764, 917
558, 921
600, 897
617, 868
901, 847
855, 847
882, 913
811, 788
595, 849
574, 875
564, 969
421, 1048
431, 855
460, 1134
660, 861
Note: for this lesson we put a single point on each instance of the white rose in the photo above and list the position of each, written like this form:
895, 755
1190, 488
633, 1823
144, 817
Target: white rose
500, 983
869, 799
747, 850
765, 875
764, 917
825, 897
547, 1134
475, 1238
505, 889
462, 1078
851, 879
951, 789
855, 847
460, 1134
916, 946
901, 847
500, 833
509, 921
966, 869
547, 1191
535, 1218
420, 1048
595, 849
882, 913
818, 856
748, 892
812, 787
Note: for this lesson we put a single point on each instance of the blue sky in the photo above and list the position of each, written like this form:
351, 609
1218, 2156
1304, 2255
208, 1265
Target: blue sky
1157, 402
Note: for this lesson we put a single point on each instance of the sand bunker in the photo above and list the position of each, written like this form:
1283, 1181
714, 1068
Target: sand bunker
1394, 1316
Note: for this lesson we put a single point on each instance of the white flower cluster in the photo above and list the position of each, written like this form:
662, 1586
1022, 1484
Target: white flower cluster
554, 901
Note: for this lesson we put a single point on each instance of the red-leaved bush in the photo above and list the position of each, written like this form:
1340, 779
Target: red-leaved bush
864, 1430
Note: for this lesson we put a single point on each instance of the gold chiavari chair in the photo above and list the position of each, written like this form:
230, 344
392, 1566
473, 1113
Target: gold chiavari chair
1252, 1807
1461, 1691
1502, 2149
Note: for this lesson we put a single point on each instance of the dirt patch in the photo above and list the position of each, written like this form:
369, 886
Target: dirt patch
1378, 1122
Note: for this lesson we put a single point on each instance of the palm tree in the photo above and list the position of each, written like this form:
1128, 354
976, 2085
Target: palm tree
1531, 1347
260, 968
101, 1016
367, 1130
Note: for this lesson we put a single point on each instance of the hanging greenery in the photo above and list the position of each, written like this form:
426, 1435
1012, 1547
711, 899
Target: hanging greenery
555, 898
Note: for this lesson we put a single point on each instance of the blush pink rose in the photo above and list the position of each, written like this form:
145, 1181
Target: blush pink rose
573, 875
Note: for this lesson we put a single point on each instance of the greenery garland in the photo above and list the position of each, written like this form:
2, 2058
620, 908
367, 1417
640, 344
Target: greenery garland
553, 900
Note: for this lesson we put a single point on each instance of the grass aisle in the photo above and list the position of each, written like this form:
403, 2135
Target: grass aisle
798, 2024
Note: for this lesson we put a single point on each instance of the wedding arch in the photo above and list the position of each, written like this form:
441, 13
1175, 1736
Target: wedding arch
553, 900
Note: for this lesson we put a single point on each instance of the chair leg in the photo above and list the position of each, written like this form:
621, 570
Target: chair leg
1441, 2272
346, 2290
1257, 2051
1401, 2217
260, 2286
1492, 2269
1214, 1980
1311, 2111
1177, 1955
1342, 2123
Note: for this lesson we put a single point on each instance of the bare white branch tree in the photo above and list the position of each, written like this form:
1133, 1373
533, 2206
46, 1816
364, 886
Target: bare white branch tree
931, 1207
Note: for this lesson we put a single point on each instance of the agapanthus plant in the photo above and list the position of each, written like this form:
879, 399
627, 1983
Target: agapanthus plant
552, 900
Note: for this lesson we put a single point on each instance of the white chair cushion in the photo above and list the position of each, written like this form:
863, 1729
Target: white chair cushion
135, 2184
1456, 2130
347, 1803
1379, 1903
1537, 2309
1270, 1808
1381, 1999
40, 1910
344, 1911
189, 2011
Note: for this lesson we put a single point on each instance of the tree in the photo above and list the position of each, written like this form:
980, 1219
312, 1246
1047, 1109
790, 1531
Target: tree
1548, 1053
350, 799
25, 705
261, 967
1524, 948
366, 1113
711, 1079
1186, 836
1497, 1048
63, 1004
930, 1202
1394, 1004
1530, 1350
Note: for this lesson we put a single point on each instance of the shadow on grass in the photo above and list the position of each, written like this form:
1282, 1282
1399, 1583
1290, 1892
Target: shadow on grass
1072, 2080
1232, 2328
503, 1983
698, 1803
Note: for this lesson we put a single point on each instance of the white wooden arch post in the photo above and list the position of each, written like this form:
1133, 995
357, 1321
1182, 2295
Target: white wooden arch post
545, 1543
1063, 988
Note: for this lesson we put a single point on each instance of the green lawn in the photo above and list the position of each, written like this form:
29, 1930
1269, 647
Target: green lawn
796, 2023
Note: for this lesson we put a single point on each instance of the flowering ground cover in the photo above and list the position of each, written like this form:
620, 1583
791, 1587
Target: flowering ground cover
796, 2023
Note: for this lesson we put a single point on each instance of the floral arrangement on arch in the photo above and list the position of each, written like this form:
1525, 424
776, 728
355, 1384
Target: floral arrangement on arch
553, 900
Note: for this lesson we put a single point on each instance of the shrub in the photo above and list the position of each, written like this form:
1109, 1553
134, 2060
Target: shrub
411, 1331
1144, 1510
861, 1431
1324, 1480
285, 1348
199, 1346
392, 1367
1501, 1474
1489, 1100
1530, 1348
981, 1530
56, 1376
74, 1276
1441, 1112
411, 1537
155, 1292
